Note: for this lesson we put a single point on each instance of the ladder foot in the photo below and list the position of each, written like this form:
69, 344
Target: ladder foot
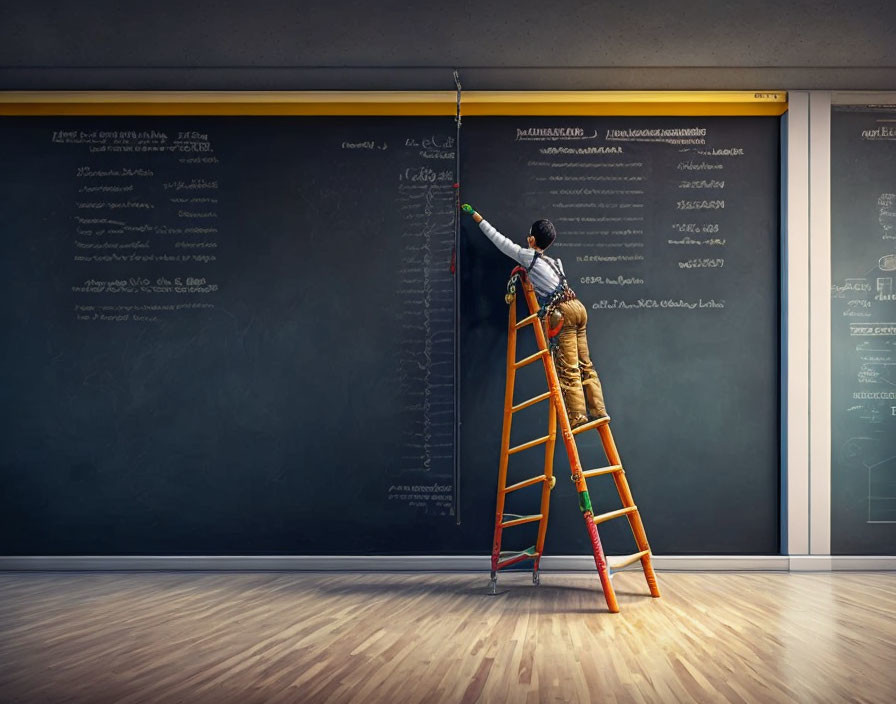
536, 578
493, 589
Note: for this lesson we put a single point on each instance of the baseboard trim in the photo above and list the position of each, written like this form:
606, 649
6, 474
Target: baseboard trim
811, 563
422, 563
243, 563
842, 563
682, 563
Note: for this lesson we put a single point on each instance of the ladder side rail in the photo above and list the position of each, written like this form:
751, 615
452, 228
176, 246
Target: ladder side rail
634, 518
505, 436
546, 487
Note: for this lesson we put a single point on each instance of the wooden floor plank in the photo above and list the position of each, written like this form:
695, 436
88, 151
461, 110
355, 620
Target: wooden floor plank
335, 638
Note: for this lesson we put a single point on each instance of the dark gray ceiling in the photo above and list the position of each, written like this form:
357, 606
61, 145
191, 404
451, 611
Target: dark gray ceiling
349, 44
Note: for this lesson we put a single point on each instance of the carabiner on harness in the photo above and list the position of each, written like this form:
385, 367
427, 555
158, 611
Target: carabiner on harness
511, 284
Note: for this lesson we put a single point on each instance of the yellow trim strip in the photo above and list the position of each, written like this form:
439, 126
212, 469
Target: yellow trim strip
398, 103
625, 103
228, 103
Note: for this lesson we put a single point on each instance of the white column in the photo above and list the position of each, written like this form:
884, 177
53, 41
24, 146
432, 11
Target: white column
795, 327
820, 323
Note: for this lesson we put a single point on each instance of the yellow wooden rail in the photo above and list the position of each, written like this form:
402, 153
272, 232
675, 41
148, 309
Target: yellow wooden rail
395, 103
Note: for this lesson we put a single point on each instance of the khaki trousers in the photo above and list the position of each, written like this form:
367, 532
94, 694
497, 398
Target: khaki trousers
578, 380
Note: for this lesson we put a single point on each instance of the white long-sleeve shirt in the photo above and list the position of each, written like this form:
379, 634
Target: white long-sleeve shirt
543, 277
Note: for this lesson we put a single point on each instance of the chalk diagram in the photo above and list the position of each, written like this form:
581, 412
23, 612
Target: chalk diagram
875, 455
877, 358
877, 363
872, 456
871, 296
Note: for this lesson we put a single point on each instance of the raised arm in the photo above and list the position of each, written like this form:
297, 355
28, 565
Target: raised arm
514, 251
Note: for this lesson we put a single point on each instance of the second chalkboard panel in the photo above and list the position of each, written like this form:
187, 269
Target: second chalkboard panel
668, 231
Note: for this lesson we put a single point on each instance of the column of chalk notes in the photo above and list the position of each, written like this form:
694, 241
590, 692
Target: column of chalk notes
609, 202
425, 294
144, 223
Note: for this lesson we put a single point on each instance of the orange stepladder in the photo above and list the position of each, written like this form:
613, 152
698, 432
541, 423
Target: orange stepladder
557, 414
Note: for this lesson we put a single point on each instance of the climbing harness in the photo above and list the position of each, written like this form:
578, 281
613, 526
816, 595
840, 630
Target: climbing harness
549, 303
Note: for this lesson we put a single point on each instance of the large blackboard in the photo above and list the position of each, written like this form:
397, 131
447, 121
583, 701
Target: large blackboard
863, 330
237, 335
668, 230
226, 335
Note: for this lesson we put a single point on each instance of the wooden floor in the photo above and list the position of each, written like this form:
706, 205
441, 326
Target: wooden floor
299, 637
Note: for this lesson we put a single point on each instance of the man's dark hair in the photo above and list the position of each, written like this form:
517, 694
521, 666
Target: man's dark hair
544, 233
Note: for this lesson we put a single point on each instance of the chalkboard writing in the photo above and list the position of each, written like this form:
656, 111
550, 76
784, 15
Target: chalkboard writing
863, 330
131, 211
668, 233
425, 287
229, 335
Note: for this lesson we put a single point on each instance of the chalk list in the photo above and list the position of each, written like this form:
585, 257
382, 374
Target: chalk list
425, 197
863, 329
637, 211
144, 223
421, 194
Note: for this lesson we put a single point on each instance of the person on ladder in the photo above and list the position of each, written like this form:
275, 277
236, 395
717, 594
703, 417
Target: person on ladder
582, 392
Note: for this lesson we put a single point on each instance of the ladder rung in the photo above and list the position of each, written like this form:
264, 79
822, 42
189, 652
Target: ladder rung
591, 424
511, 558
602, 470
525, 404
625, 562
531, 358
520, 520
614, 514
525, 321
527, 445
504, 554
525, 483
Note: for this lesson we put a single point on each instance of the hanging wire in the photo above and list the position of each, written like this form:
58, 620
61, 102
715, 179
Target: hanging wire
454, 270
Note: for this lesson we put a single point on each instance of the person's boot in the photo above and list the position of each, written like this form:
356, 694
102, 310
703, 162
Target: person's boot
577, 419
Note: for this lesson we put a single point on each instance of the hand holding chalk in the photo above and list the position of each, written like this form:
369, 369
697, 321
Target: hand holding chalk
468, 209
